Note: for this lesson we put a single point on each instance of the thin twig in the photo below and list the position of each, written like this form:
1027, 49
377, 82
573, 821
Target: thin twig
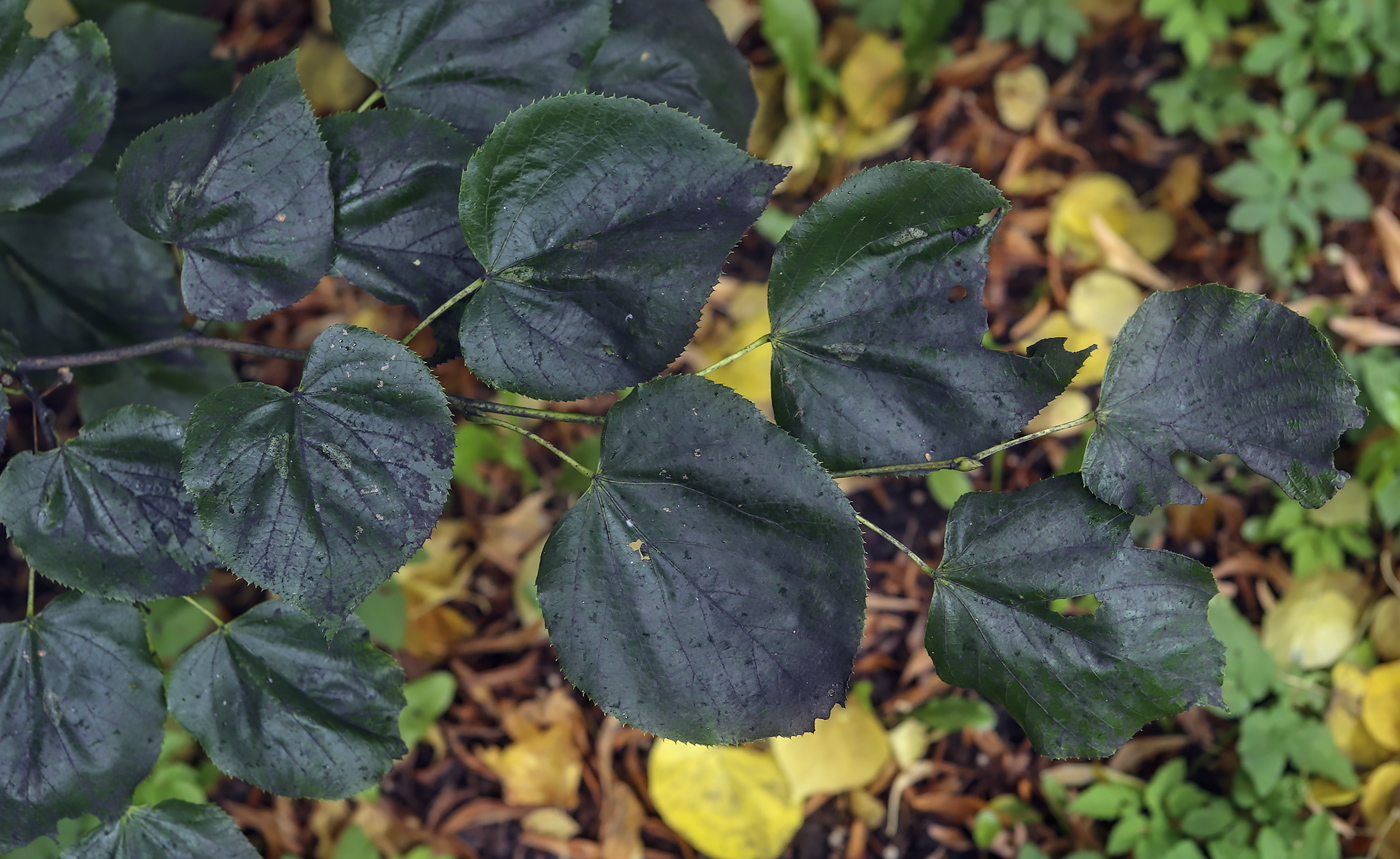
961, 463
470, 288
43, 415
206, 612
736, 356
469, 407
484, 419
155, 347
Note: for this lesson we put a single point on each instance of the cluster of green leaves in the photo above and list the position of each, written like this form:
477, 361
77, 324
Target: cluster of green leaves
1050, 23
709, 584
1378, 370
1318, 540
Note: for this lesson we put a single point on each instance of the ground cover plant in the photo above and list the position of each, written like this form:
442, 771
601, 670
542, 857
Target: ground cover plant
569, 257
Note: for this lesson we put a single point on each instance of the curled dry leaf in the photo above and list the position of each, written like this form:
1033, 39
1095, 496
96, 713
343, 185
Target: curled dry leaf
1365, 331
542, 765
1387, 228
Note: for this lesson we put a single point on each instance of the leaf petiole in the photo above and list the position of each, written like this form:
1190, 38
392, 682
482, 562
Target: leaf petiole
896, 543
154, 347
961, 463
736, 356
484, 419
206, 612
471, 287
471, 407
377, 95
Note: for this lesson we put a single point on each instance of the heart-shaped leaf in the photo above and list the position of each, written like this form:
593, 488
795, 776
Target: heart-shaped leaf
321, 493
603, 224
680, 58
73, 277
876, 302
244, 190
1211, 370
173, 828
709, 586
396, 175
84, 715
57, 96
276, 705
105, 513
471, 62
1079, 685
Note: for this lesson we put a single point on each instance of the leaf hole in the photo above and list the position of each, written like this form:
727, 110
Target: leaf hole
956, 294
1083, 605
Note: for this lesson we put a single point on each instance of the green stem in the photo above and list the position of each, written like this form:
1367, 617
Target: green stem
736, 356
206, 612
898, 545
369, 102
139, 350
483, 419
472, 287
470, 407
13, 392
29, 605
961, 463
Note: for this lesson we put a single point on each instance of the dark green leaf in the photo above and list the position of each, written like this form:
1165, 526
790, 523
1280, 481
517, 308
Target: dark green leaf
73, 277
156, 85
951, 713
320, 494
172, 829
396, 174
83, 709
876, 302
678, 57
1210, 370
276, 705
594, 283
56, 101
244, 190
1080, 686
709, 587
172, 382
471, 62
105, 513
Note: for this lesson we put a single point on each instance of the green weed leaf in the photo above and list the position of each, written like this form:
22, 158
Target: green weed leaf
57, 96
243, 189
1080, 686
172, 828
321, 493
276, 705
396, 175
680, 58
709, 586
84, 715
876, 302
1211, 371
105, 513
471, 62
594, 283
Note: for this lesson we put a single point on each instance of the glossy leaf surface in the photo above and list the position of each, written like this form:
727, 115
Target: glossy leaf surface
84, 715
275, 704
105, 513
57, 96
471, 62
396, 175
603, 225
73, 277
876, 305
680, 58
709, 586
321, 493
1080, 686
244, 190
1211, 370
173, 828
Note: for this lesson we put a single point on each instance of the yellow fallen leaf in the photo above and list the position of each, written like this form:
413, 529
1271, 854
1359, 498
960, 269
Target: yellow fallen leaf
1385, 628
1387, 228
797, 147
729, 802
331, 81
1329, 794
1061, 410
862, 145
1365, 331
842, 752
1380, 706
1315, 622
1102, 301
1350, 506
749, 376
1021, 94
1058, 324
45, 16
873, 82
1104, 194
435, 576
554, 822
1379, 794
1033, 182
524, 592
1123, 257
505, 538
541, 767
908, 740
1343, 718
735, 16
1152, 233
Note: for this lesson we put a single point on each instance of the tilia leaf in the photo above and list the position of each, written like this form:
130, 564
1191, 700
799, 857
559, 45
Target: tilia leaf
876, 302
709, 586
276, 705
1080, 686
603, 224
1210, 370
57, 97
471, 62
106, 513
321, 493
173, 828
84, 715
244, 190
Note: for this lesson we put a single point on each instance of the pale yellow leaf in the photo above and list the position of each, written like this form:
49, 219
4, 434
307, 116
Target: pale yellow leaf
1380, 795
505, 538
1102, 300
1350, 506
873, 81
1151, 233
1061, 410
45, 16
1033, 182
1021, 94
797, 147
842, 752
860, 145
1120, 255
735, 16
1380, 706
729, 802
554, 822
1057, 324
1385, 628
1315, 622
1104, 194
331, 81
1343, 718
909, 740
1329, 794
